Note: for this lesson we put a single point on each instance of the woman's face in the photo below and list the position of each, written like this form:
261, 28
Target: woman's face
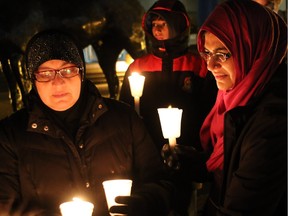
224, 72
60, 93
160, 29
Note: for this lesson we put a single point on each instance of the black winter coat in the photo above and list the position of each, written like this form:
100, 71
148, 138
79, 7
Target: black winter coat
41, 167
176, 77
181, 88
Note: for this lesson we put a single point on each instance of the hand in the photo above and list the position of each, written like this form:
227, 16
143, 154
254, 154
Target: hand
185, 159
176, 155
132, 206
170, 157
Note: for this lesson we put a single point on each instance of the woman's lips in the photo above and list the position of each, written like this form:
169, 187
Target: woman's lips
59, 95
220, 77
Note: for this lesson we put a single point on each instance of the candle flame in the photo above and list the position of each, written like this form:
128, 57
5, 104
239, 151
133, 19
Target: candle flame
135, 74
76, 199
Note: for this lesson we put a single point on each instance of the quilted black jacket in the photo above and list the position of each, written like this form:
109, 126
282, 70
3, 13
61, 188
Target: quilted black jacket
41, 167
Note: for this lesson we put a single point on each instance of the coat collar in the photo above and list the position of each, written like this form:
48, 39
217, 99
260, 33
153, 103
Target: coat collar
40, 121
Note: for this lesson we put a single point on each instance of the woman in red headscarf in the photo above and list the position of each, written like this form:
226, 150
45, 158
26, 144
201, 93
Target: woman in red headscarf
244, 137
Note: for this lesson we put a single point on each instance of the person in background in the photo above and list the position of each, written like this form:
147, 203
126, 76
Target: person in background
275, 6
70, 139
271, 4
174, 76
244, 137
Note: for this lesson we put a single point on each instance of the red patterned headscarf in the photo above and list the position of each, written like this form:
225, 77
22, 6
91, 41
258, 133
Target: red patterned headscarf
257, 40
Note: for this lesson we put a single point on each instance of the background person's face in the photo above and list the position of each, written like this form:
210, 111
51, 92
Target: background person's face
160, 29
273, 5
224, 72
61, 93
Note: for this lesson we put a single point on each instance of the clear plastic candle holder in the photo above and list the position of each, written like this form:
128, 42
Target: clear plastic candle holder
170, 119
114, 188
136, 82
77, 207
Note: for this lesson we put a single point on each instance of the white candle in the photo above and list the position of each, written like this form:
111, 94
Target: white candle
114, 188
136, 82
77, 207
170, 119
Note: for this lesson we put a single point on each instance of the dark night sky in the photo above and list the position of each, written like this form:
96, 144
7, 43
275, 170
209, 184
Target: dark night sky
19, 19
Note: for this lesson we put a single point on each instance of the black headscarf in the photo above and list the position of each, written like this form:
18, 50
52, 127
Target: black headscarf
53, 44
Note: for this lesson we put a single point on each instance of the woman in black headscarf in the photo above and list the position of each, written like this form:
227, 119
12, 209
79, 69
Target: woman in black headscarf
70, 139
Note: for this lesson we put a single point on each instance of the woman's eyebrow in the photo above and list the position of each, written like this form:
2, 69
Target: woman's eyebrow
219, 49
65, 65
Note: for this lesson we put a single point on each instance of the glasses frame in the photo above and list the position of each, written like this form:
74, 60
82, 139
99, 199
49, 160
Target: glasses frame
57, 72
218, 56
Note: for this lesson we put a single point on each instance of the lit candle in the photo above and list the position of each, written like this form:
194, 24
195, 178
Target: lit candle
136, 82
114, 188
170, 119
77, 207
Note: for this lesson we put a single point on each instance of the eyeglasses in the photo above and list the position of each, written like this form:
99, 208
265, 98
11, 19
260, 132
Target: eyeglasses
218, 57
48, 75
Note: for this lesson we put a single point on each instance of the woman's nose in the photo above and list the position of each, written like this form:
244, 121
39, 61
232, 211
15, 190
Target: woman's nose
158, 28
58, 79
212, 64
